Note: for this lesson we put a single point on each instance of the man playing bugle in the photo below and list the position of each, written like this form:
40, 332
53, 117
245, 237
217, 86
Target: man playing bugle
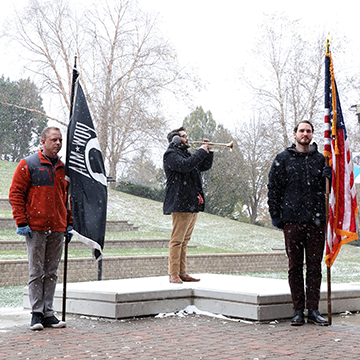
184, 197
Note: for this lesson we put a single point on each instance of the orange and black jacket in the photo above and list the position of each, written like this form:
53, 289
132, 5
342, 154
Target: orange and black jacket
38, 194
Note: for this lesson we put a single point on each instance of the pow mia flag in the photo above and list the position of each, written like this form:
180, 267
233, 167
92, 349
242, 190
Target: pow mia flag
86, 172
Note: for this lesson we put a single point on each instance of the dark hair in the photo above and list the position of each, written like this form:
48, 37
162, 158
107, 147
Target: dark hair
172, 133
301, 122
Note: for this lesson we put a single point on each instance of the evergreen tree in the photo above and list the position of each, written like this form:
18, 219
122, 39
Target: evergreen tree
224, 185
20, 129
199, 124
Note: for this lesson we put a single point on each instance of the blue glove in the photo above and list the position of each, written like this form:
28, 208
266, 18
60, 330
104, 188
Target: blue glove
68, 235
24, 231
278, 223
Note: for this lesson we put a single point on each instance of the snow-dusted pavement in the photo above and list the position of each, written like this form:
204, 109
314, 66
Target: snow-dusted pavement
187, 334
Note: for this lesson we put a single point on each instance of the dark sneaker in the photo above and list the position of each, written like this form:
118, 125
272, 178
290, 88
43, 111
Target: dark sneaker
314, 317
36, 321
54, 322
298, 318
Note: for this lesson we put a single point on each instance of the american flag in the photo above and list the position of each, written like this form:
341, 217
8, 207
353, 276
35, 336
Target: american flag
343, 208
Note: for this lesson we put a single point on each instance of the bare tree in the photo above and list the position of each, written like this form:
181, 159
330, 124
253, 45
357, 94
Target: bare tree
290, 84
258, 145
124, 62
287, 88
141, 170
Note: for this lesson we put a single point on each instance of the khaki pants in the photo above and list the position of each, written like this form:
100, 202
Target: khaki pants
183, 226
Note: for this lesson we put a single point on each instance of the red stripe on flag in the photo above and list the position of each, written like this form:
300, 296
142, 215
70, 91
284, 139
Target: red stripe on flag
341, 227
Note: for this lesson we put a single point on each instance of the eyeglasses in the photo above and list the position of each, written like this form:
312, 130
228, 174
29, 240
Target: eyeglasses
184, 136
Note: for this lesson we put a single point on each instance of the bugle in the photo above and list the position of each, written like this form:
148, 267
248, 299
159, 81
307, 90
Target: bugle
212, 145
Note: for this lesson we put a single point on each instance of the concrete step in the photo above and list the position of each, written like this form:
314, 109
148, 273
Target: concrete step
4, 204
242, 297
111, 225
109, 244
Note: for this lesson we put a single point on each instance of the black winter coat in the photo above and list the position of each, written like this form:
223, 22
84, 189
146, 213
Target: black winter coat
183, 179
297, 186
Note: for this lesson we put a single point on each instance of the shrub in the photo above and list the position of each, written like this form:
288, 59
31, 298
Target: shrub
140, 190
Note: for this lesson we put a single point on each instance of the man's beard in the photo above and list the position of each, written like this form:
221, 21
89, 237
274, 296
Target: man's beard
184, 146
304, 141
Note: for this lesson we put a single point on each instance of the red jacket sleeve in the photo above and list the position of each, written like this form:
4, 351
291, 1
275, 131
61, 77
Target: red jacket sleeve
19, 188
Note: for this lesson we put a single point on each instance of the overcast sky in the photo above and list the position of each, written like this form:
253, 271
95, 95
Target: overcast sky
217, 36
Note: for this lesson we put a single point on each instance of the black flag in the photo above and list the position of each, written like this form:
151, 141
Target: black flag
86, 171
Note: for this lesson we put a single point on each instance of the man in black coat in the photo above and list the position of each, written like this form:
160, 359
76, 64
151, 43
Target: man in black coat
184, 197
296, 200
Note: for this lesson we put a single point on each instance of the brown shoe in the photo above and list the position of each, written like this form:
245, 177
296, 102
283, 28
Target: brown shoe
175, 279
188, 278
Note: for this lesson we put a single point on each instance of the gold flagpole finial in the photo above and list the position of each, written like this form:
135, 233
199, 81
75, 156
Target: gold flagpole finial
328, 42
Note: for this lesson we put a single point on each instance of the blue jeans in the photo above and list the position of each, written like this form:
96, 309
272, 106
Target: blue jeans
44, 254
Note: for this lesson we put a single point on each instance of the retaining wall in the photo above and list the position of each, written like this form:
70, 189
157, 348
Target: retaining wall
15, 272
111, 225
20, 245
4, 204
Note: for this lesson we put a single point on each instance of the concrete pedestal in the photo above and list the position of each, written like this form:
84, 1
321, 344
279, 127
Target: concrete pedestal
242, 297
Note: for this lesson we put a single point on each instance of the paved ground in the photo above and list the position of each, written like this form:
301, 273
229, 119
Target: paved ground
181, 338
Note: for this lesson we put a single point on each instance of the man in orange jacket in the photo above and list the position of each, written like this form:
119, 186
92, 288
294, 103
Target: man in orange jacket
38, 195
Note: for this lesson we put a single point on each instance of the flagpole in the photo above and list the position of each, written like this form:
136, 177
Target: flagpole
328, 267
327, 219
67, 236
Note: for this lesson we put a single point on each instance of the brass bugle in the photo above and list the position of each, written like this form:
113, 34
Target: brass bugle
212, 144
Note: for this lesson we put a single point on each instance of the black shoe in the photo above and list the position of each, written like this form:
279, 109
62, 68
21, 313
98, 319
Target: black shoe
36, 321
54, 322
298, 318
314, 317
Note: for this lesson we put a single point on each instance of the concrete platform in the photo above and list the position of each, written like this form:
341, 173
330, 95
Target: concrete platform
242, 297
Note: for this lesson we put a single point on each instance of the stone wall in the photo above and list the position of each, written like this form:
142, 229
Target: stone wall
20, 245
15, 272
111, 225
7, 224
4, 204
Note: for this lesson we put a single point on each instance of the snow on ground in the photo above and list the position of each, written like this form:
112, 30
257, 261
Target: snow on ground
191, 309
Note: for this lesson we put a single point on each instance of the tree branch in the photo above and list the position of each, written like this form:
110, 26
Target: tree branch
5, 102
